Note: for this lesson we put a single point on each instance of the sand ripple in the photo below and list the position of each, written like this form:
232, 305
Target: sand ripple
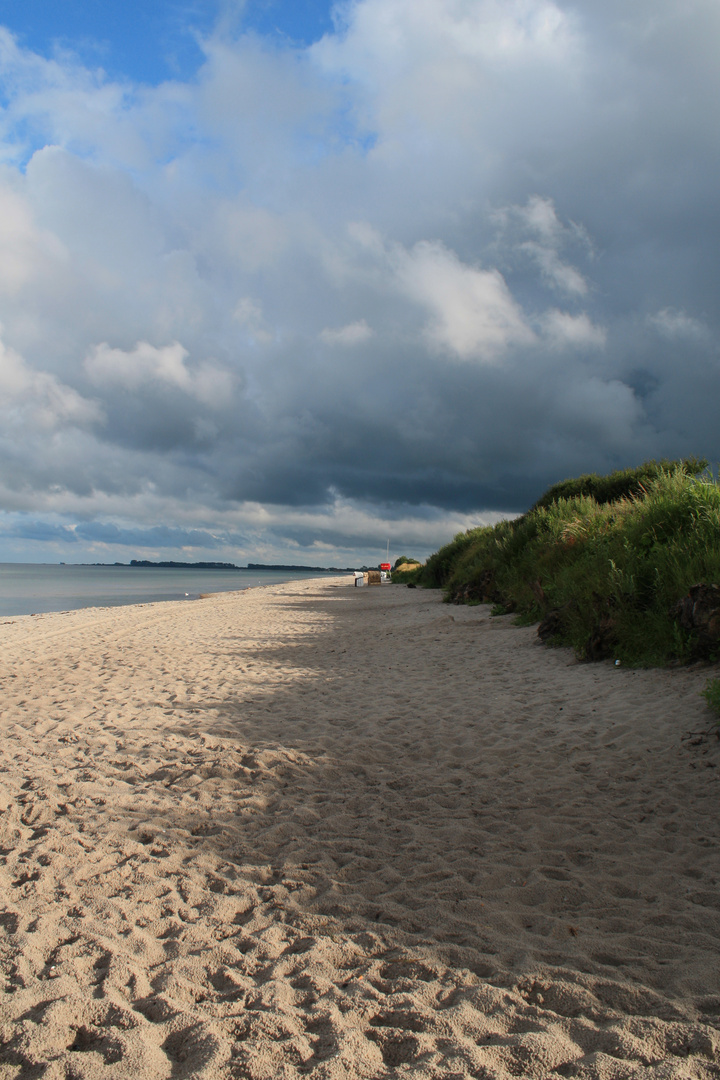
315, 831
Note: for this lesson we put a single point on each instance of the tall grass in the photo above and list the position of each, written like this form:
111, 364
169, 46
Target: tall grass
619, 484
603, 574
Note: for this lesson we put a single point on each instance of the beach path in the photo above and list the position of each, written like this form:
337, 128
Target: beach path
312, 830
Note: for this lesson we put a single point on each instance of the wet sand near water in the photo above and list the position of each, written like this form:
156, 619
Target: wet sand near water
311, 830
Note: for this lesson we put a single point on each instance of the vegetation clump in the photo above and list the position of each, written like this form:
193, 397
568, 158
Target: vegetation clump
404, 570
711, 693
617, 485
605, 573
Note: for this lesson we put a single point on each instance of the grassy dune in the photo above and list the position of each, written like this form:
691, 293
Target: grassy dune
602, 560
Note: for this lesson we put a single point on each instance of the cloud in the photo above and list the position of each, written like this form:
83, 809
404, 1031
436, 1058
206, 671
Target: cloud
473, 314
352, 334
143, 363
677, 324
147, 363
401, 279
603, 410
35, 401
537, 233
160, 536
44, 531
563, 277
24, 248
572, 331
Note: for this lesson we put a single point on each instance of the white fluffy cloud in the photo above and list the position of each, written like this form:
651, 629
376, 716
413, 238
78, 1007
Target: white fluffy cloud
572, 331
35, 402
385, 284
472, 312
25, 250
145, 363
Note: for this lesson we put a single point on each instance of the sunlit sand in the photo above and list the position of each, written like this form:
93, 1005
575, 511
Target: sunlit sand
311, 830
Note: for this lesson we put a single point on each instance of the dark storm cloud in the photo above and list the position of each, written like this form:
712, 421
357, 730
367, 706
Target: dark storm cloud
160, 536
41, 530
107, 533
401, 278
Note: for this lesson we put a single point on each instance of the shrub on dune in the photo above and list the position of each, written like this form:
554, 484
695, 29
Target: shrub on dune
603, 575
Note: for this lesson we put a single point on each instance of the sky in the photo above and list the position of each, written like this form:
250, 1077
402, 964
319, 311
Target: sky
287, 281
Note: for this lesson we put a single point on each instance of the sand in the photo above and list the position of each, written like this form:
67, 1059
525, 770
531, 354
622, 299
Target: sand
312, 830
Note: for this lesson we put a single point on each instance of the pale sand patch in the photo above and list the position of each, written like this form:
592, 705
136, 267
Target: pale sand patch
311, 830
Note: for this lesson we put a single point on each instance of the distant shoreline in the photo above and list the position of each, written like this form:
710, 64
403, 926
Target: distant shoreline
169, 565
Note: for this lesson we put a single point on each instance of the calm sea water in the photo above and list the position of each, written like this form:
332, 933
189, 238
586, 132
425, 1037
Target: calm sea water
31, 588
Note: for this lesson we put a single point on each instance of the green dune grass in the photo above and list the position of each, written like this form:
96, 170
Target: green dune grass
601, 559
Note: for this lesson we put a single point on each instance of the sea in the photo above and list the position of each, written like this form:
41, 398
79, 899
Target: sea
34, 588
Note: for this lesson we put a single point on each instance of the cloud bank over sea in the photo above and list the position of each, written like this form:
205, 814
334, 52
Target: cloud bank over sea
391, 283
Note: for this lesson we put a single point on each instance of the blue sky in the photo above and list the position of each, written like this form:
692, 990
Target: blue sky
149, 41
280, 281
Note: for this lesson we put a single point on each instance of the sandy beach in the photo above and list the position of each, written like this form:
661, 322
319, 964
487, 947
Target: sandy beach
311, 830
